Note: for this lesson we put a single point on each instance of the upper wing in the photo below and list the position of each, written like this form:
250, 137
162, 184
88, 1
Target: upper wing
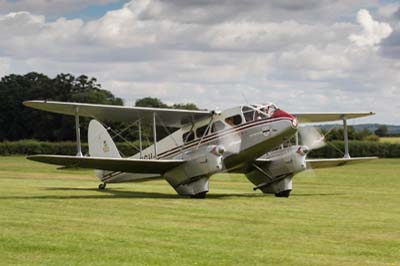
169, 117
326, 163
326, 117
110, 164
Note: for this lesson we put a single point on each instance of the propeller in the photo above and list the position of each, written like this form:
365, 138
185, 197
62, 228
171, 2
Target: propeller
230, 141
312, 138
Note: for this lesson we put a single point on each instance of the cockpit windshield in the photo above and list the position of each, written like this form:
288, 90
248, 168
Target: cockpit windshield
258, 111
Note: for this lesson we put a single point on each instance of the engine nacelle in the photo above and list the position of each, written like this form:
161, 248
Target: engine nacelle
275, 174
191, 178
290, 160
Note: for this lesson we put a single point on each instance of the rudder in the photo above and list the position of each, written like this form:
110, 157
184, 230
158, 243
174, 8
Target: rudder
100, 142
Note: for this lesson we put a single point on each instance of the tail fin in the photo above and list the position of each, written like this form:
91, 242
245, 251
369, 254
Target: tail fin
100, 142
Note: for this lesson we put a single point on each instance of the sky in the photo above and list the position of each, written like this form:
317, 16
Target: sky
304, 56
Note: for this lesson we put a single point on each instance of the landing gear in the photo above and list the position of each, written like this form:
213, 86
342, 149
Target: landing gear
283, 194
102, 186
201, 195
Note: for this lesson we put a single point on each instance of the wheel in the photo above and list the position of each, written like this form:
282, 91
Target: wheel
201, 195
283, 194
102, 186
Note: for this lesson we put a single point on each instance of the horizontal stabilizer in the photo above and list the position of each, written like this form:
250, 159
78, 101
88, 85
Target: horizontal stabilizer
326, 163
111, 164
327, 117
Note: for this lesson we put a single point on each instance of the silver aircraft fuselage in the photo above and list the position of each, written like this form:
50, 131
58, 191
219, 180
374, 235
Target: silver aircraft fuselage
243, 143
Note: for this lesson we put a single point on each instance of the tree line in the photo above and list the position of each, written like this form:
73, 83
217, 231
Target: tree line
19, 122
337, 133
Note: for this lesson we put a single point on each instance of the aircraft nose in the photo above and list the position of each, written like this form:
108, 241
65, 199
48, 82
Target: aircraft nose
281, 113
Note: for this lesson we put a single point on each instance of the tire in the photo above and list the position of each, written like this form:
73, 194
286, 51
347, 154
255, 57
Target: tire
201, 195
283, 194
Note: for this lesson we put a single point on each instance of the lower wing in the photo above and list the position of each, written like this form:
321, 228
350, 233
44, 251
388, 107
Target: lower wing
143, 166
326, 163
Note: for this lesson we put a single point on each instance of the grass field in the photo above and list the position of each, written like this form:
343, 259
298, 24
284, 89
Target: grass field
343, 216
390, 139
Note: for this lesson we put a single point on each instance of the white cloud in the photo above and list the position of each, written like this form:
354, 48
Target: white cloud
311, 58
211, 55
373, 31
4, 66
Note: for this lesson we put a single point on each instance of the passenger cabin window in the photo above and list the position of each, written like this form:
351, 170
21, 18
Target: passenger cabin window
188, 136
248, 113
200, 131
234, 120
217, 126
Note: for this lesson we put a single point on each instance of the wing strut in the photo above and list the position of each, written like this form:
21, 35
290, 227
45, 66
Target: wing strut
346, 139
140, 138
78, 133
155, 135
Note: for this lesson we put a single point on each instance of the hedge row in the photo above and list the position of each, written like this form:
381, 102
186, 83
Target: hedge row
334, 149
28, 147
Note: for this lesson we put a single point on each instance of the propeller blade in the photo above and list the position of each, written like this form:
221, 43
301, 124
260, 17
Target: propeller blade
312, 138
230, 141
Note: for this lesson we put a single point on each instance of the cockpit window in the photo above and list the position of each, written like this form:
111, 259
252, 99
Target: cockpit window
260, 114
270, 109
234, 120
257, 112
217, 126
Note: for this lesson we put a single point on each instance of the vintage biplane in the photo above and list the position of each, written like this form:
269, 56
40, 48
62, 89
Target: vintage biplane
260, 141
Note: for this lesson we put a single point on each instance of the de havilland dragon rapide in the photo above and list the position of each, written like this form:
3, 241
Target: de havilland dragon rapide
260, 141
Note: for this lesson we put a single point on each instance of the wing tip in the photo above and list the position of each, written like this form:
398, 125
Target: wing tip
36, 157
33, 103
27, 103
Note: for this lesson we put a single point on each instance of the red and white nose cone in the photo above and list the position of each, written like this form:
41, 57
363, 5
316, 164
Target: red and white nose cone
280, 113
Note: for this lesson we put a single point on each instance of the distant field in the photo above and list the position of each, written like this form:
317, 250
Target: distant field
344, 216
390, 139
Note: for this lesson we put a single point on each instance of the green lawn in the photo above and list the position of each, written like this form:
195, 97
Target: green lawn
344, 216
390, 139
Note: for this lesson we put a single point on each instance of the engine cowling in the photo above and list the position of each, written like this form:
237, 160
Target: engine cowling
290, 160
274, 174
191, 178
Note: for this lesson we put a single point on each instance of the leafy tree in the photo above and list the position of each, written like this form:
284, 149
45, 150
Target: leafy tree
381, 131
157, 103
337, 134
151, 102
186, 106
19, 122
364, 134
